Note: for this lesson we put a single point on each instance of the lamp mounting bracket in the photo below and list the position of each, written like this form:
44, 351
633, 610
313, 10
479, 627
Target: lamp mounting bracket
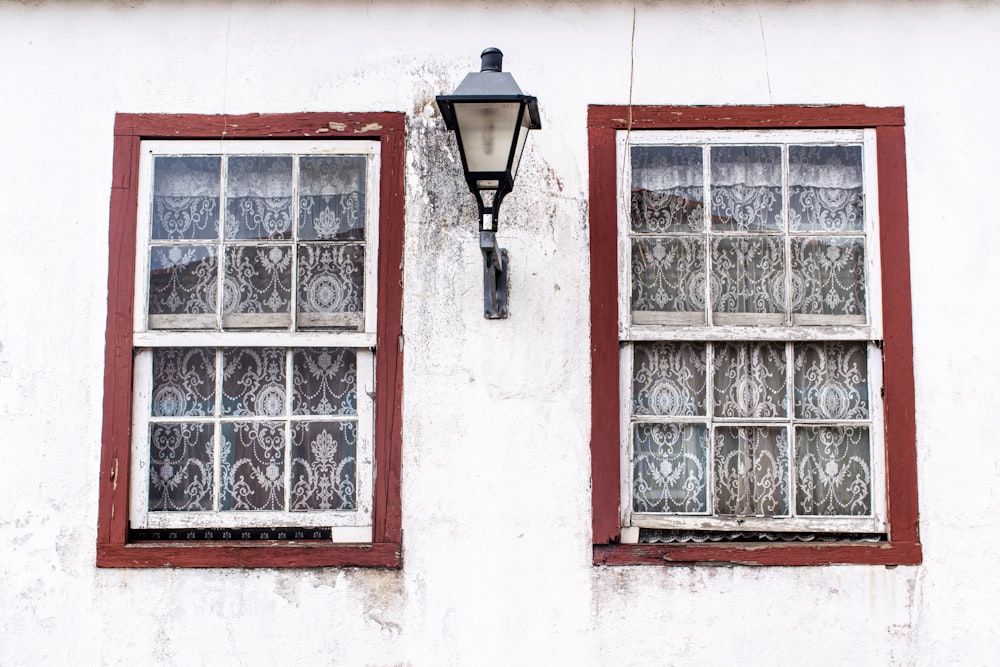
494, 276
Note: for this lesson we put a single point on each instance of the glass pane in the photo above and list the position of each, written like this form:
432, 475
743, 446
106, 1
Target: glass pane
324, 382
253, 381
253, 466
748, 275
258, 279
332, 198
180, 467
185, 198
833, 475
522, 139
751, 470
488, 133
746, 188
323, 466
667, 189
668, 274
331, 285
668, 379
259, 197
825, 188
183, 382
670, 468
828, 276
183, 281
750, 380
831, 380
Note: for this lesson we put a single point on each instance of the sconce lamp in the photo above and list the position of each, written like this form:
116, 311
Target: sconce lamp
491, 118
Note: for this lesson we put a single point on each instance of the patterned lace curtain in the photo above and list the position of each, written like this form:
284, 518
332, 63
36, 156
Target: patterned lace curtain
753, 465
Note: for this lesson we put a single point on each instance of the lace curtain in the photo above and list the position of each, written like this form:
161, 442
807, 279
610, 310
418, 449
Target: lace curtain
188, 414
745, 450
750, 273
264, 256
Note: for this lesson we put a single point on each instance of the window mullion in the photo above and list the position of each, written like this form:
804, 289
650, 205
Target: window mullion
220, 241
217, 432
787, 221
710, 413
289, 385
294, 289
790, 393
706, 178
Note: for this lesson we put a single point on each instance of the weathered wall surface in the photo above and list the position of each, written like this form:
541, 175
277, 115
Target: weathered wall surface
496, 457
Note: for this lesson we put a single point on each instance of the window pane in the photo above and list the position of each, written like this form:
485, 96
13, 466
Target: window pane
670, 468
825, 188
833, 470
180, 467
331, 285
183, 382
253, 465
324, 382
332, 198
257, 283
828, 276
253, 381
323, 466
750, 380
668, 275
667, 189
831, 380
751, 470
259, 197
185, 198
183, 283
748, 276
668, 379
746, 188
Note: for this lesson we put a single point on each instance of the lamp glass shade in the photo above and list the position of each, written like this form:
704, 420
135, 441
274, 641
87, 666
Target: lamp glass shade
522, 138
488, 131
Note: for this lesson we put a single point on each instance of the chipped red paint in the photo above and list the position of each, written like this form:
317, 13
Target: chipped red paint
903, 546
738, 117
113, 549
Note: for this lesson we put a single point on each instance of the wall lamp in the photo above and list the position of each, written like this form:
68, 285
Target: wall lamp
491, 118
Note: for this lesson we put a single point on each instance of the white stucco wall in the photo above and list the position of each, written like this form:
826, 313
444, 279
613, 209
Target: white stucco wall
496, 505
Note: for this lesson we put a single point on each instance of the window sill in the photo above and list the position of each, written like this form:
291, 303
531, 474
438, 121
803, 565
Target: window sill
846, 553
176, 554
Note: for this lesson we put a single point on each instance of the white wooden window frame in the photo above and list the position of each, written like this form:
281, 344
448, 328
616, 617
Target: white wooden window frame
347, 526
789, 331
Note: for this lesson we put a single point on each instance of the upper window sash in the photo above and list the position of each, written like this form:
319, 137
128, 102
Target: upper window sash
291, 334
787, 327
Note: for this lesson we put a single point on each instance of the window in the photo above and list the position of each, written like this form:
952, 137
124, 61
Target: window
752, 362
253, 360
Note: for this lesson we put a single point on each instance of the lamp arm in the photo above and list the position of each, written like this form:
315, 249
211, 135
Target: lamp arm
494, 257
494, 276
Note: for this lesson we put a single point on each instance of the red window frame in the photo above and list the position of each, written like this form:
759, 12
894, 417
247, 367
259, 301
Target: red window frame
385, 550
903, 544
